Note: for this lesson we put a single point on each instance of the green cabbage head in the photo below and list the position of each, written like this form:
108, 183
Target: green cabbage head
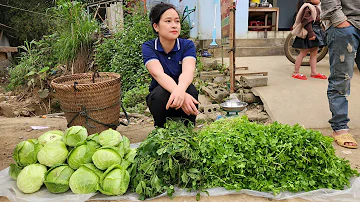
25, 152
105, 157
124, 146
14, 171
49, 136
109, 137
53, 153
115, 180
74, 135
57, 178
82, 154
31, 178
85, 180
129, 158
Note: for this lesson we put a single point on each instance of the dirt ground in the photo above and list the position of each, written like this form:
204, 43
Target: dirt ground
14, 130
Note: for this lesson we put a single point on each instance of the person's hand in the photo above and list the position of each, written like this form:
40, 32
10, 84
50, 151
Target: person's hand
344, 24
176, 99
189, 105
312, 38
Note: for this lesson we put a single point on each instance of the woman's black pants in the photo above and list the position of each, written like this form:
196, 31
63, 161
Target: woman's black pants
156, 101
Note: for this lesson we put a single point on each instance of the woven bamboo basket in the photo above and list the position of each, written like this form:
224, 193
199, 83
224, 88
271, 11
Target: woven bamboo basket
90, 100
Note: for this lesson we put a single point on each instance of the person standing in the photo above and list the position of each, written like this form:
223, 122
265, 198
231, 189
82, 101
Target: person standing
342, 20
309, 36
171, 62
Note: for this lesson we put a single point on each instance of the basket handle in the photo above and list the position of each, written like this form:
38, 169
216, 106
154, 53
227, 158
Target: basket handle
93, 76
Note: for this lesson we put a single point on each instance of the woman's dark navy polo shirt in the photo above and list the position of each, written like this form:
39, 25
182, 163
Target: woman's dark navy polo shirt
172, 61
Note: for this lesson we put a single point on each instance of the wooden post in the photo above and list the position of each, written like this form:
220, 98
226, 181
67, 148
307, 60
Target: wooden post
232, 47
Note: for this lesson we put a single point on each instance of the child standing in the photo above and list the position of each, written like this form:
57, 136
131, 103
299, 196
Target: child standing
309, 36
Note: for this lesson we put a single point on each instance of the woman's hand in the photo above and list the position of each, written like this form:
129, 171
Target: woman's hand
176, 99
189, 105
312, 38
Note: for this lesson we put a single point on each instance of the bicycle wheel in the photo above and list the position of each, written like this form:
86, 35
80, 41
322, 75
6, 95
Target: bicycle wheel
291, 53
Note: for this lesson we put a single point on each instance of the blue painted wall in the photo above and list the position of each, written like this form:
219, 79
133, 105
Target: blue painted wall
203, 17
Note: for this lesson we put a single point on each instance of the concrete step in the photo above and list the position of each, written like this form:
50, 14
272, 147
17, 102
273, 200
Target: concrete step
250, 51
205, 44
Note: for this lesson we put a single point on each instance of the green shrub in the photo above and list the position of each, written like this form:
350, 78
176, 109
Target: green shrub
134, 100
36, 61
73, 33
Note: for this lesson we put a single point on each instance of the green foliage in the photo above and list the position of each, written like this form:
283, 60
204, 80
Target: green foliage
168, 157
39, 58
238, 154
36, 61
122, 53
75, 29
134, 100
28, 25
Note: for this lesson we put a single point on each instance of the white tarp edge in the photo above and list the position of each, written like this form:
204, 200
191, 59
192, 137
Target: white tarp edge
9, 190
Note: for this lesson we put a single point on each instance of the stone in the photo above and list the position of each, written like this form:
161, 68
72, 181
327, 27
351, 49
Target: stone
16, 113
255, 116
219, 79
247, 90
25, 113
250, 98
210, 64
260, 108
6, 109
253, 81
2, 98
201, 116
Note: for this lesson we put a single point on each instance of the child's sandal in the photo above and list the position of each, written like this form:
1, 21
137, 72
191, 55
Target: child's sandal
319, 76
299, 76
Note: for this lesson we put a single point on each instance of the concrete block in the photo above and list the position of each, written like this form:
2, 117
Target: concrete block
210, 74
213, 108
253, 81
217, 94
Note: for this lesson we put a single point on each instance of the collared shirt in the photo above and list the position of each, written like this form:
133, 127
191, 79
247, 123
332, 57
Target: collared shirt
172, 61
334, 12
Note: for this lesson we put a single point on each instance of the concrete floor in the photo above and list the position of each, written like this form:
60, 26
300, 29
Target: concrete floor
290, 101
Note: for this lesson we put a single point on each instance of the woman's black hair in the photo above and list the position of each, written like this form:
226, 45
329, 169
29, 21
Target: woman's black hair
157, 11
300, 3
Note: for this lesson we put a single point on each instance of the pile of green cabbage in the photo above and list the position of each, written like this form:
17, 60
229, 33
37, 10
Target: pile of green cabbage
72, 159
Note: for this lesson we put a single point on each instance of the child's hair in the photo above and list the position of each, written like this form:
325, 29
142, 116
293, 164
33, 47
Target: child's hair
300, 3
157, 11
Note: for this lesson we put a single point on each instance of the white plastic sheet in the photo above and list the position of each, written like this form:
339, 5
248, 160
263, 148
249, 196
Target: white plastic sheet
8, 189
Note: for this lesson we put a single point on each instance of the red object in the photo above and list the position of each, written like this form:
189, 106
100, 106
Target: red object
257, 23
319, 76
299, 76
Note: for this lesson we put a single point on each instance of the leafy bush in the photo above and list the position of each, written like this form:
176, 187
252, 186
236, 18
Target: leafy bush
39, 58
134, 100
122, 53
75, 29
36, 60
